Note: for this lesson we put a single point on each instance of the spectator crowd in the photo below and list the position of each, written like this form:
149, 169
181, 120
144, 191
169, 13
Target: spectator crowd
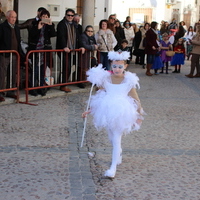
171, 44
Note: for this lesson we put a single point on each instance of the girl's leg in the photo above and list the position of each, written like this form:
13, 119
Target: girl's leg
162, 67
175, 71
155, 71
179, 69
115, 138
167, 65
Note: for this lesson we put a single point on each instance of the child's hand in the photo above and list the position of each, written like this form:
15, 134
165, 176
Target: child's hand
84, 114
139, 122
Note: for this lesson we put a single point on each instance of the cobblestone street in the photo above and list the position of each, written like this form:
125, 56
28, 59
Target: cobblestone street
41, 156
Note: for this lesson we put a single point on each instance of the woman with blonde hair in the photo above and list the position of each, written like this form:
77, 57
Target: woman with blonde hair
195, 41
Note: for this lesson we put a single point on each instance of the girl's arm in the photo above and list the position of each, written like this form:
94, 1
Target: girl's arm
84, 114
134, 95
161, 47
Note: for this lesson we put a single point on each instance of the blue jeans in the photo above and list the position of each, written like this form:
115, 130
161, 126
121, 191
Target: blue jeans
104, 60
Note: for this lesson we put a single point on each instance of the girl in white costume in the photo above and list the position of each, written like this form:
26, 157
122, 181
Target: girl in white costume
116, 106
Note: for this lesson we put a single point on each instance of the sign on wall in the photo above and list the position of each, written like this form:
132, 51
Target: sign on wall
54, 10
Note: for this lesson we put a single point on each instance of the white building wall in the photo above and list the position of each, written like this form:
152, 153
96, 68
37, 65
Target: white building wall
28, 8
99, 12
121, 8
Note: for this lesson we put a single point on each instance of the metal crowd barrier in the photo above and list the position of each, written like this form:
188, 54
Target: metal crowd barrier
50, 68
12, 59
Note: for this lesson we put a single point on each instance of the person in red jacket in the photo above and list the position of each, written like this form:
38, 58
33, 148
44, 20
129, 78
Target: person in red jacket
179, 57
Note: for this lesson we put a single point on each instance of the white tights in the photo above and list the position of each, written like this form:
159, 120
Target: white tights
115, 139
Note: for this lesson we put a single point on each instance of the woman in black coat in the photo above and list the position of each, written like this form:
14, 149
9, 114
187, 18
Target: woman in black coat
139, 44
89, 60
119, 34
179, 34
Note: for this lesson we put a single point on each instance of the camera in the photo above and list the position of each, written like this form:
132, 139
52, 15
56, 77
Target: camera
46, 20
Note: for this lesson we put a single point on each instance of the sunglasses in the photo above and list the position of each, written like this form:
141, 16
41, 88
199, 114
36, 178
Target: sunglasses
70, 15
112, 18
90, 31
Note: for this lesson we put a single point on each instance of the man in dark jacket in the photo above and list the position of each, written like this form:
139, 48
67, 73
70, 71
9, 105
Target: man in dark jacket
76, 21
28, 23
67, 39
9, 40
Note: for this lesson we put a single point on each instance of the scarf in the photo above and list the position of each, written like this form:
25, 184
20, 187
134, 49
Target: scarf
71, 35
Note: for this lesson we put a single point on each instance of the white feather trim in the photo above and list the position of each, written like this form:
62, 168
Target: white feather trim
96, 75
115, 55
132, 79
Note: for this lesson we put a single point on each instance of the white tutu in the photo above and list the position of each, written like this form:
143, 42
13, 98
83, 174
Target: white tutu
112, 108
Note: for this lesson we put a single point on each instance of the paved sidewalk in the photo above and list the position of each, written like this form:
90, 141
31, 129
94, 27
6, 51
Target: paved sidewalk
41, 156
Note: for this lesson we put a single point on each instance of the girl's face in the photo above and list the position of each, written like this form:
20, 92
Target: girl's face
124, 45
146, 27
165, 38
104, 25
44, 17
118, 67
180, 41
117, 24
127, 25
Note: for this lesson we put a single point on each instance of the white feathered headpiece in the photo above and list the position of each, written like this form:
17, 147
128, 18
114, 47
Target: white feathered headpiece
116, 55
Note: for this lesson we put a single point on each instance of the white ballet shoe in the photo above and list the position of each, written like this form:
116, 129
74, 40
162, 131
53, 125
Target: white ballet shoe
110, 173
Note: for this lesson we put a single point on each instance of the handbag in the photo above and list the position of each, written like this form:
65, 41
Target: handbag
105, 42
49, 80
170, 53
